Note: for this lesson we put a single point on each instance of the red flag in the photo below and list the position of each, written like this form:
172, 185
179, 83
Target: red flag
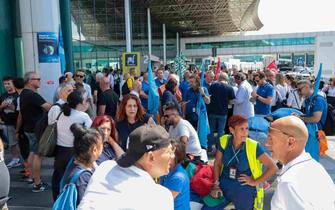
218, 67
272, 67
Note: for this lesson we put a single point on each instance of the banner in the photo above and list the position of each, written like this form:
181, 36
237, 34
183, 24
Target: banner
47, 43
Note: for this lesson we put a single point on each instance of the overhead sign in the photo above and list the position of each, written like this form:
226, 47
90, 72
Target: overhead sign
131, 60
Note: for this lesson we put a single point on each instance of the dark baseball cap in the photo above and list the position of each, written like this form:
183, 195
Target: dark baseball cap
144, 139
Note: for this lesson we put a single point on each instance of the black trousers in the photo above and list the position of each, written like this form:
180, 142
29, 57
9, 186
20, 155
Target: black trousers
62, 157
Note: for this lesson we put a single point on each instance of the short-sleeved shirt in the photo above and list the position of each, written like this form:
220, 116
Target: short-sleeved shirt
159, 83
221, 94
124, 128
9, 114
145, 89
65, 137
264, 91
240, 163
317, 104
31, 109
109, 99
178, 181
184, 128
82, 180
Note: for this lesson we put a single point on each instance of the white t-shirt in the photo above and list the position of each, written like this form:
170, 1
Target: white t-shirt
112, 187
304, 185
65, 137
184, 128
54, 112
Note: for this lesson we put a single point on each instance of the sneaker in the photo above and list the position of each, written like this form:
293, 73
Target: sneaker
15, 162
27, 179
39, 188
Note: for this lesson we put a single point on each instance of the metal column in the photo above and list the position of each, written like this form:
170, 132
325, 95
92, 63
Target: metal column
65, 16
177, 37
149, 32
164, 44
127, 24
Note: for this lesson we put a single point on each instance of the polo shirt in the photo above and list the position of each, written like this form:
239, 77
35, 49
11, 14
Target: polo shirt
264, 91
303, 184
112, 187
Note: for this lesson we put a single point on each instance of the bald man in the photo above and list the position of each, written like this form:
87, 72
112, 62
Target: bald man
107, 99
303, 183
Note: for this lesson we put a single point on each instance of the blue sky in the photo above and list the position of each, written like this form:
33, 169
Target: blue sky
289, 16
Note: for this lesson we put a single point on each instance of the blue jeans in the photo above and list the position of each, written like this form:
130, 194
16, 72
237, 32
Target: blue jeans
216, 122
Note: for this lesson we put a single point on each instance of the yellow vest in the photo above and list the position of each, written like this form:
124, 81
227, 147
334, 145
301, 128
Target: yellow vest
254, 164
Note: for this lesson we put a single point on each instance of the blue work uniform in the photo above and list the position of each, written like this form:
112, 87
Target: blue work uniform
145, 89
242, 197
192, 98
314, 104
264, 91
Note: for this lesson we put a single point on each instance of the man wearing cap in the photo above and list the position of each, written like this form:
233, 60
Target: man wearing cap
303, 183
128, 183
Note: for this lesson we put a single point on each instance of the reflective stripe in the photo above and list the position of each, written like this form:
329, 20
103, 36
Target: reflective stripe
254, 164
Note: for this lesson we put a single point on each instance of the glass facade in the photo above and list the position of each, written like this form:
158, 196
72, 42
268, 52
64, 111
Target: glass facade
98, 33
252, 43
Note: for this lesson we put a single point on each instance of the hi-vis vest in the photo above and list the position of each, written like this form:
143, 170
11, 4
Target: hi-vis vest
255, 167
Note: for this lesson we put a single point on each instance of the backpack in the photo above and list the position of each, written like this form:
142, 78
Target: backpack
67, 199
203, 180
42, 124
125, 89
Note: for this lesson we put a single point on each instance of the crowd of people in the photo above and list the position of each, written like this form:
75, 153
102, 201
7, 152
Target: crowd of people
125, 157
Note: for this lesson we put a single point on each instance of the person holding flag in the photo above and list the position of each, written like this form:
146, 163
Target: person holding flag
315, 113
203, 124
194, 94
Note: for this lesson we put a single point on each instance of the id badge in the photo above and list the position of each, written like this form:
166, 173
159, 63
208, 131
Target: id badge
232, 172
193, 109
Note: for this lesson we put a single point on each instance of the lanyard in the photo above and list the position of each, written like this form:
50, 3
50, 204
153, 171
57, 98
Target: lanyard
235, 155
294, 165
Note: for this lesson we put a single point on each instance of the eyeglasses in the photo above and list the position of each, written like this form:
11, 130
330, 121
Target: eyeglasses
80, 76
38, 79
277, 130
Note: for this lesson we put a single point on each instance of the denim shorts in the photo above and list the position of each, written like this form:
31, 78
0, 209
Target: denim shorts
9, 132
33, 142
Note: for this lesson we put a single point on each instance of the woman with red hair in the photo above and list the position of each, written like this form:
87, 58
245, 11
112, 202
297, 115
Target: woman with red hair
130, 116
238, 163
111, 149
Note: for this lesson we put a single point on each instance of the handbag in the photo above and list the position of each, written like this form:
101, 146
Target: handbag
48, 141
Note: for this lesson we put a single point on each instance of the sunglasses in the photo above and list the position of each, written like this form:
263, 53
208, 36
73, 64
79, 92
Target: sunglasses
80, 76
38, 79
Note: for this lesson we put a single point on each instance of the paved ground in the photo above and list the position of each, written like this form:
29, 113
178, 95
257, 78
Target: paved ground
23, 198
